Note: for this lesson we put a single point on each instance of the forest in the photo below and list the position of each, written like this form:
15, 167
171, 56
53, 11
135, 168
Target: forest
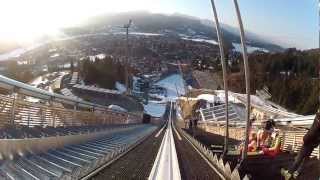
104, 72
291, 77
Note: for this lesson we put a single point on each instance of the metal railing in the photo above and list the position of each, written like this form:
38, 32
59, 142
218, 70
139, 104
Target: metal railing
25, 89
218, 113
15, 110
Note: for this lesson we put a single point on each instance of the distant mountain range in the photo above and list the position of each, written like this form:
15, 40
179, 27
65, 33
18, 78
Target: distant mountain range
175, 24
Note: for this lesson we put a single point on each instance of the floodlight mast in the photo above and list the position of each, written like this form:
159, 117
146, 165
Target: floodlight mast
224, 74
247, 79
127, 26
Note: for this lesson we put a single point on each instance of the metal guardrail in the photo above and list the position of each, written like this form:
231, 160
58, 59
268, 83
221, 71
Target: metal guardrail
269, 109
14, 110
22, 88
217, 114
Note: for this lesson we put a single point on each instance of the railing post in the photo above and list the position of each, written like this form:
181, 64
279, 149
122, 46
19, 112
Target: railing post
74, 118
127, 118
104, 113
42, 117
201, 113
13, 108
28, 118
53, 123
92, 110
294, 142
213, 116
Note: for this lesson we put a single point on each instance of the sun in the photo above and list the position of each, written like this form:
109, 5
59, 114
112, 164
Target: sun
27, 20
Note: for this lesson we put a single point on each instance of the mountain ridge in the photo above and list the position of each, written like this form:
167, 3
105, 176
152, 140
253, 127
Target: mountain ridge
175, 23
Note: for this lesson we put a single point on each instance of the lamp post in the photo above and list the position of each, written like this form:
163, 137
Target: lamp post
224, 74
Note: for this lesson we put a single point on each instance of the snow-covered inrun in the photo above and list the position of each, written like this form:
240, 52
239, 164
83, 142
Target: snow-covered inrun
155, 109
250, 49
175, 86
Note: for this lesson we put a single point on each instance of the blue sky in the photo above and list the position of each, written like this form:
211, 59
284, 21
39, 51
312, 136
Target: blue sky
288, 22
293, 23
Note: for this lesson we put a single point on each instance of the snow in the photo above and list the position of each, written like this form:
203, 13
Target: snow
98, 56
174, 85
140, 33
55, 55
155, 109
39, 80
178, 113
211, 41
207, 97
146, 34
117, 108
250, 49
231, 97
121, 87
18, 52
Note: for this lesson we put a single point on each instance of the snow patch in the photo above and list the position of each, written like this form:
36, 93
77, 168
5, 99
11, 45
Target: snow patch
121, 87
210, 41
250, 49
207, 97
117, 108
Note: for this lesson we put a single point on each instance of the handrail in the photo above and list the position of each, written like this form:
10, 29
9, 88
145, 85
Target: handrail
19, 87
14, 110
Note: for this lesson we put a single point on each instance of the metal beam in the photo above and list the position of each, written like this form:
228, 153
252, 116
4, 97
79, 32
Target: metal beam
247, 77
224, 74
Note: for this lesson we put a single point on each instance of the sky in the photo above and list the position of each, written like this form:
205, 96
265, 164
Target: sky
292, 23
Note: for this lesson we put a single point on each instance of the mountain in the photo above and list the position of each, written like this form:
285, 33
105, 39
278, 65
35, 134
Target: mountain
175, 24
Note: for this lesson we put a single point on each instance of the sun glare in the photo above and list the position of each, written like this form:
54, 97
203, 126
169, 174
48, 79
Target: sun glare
24, 21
